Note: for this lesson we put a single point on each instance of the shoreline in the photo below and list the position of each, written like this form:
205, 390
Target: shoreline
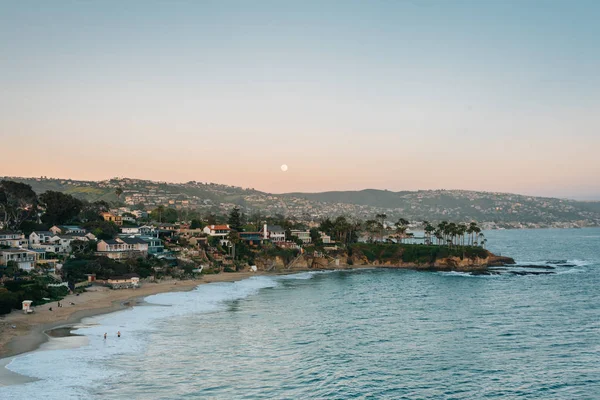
46, 328
30, 331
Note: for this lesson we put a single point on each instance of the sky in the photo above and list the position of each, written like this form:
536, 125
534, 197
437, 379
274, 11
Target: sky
400, 95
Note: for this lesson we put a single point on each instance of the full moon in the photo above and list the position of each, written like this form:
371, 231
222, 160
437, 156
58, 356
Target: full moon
284, 167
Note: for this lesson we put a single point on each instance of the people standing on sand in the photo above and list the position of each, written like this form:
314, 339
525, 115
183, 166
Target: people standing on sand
104, 335
118, 333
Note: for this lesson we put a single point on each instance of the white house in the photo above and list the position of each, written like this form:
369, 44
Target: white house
24, 258
67, 229
325, 238
217, 230
120, 248
140, 214
130, 230
302, 235
39, 237
13, 239
274, 233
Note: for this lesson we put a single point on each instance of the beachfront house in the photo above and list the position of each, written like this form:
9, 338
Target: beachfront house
24, 258
302, 235
122, 248
325, 238
126, 281
274, 233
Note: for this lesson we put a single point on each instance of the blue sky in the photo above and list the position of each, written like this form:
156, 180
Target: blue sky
489, 95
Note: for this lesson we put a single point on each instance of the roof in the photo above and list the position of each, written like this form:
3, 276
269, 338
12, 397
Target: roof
218, 227
44, 233
72, 227
134, 240
71, 236
15, 250
123, 277
275, 228
110, 241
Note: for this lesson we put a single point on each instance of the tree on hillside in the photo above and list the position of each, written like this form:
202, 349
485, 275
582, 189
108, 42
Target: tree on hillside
61, 208
18, 202
102, 229
235, 220
196, 224
315, 237
429, 230
372, 227
164, 214
381, 218
256, 219
119, 192
401, 227
91, 211
211, 219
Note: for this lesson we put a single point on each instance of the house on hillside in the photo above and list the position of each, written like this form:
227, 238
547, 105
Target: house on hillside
302, 235
251, 238
148, 230
274, 233
122, 248
325, 238
130, 230
108, 216
60, 244
13, 239
217, 230
40, 237
68, 230
25, 259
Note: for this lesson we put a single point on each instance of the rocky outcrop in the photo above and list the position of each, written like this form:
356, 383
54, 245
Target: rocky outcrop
357, 259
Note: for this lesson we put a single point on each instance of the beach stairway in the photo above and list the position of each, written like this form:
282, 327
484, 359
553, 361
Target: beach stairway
291, 263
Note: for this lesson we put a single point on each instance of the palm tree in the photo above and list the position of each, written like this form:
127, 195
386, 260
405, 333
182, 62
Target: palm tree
119, 192
461, 230
401, 227
439, 236
482, 239
429, 229
381, 218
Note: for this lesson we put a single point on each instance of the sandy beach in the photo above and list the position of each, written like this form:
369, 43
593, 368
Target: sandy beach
21, 333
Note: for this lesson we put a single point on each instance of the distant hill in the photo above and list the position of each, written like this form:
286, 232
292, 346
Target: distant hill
368, 197
494, 209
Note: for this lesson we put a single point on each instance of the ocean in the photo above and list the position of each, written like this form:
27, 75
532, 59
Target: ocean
365, 334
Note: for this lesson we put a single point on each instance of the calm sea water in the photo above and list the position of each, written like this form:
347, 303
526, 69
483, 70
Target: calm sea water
362, 334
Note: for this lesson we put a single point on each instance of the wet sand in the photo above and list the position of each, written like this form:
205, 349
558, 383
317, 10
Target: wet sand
21, 333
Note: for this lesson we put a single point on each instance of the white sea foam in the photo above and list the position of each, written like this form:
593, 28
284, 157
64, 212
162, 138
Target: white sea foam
73, 373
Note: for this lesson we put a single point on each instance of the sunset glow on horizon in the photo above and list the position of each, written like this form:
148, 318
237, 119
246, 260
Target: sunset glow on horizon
491, 96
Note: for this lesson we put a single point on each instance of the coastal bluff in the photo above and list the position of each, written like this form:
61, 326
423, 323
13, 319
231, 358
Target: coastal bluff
418, 257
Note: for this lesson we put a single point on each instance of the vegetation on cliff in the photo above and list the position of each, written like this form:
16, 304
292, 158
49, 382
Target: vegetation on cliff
412, 253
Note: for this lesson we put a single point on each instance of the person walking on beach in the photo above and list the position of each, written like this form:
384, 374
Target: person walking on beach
118, 333
104, 335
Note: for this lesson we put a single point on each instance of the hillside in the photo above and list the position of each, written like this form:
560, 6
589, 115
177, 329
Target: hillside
492, 210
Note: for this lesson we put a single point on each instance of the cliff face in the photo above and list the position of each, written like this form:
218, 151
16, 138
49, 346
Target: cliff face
394, 260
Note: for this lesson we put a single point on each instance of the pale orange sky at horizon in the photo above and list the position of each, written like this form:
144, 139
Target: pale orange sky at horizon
348, 97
